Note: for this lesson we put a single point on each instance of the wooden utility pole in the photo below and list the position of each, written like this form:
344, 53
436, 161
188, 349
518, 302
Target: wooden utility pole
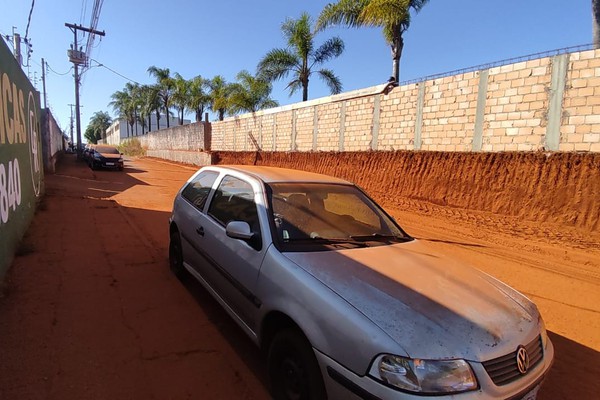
44, 83
72, 142
77, 57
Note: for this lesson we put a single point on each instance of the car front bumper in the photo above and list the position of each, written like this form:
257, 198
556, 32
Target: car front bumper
342, 383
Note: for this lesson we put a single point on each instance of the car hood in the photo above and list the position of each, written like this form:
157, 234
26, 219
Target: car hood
431, 306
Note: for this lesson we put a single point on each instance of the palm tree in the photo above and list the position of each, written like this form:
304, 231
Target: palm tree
164, 84
133, 89
122, 104
219, 94
147, 105
152, 101
391, 15
181, 94
301, 57
250, 94
596, 22
97, 126
198, 98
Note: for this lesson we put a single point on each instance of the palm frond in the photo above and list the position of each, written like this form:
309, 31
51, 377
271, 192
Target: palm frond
294, 86
385, 13
276, 64
344, 12
332, 48
298, 34
417, 5
331, 80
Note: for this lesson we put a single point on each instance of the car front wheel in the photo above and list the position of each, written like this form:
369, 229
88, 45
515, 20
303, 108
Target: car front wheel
293, 369
176, 256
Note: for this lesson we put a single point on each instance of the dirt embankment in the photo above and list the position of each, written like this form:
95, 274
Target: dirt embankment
560, 188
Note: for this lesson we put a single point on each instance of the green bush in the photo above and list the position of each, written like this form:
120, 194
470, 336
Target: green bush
132, 147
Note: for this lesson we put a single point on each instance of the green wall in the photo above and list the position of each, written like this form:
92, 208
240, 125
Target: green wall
21, 165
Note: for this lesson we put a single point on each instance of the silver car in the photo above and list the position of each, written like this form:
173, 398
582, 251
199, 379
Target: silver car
345, 304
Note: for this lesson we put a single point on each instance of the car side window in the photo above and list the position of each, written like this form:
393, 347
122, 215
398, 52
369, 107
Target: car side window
196, 192
234, 201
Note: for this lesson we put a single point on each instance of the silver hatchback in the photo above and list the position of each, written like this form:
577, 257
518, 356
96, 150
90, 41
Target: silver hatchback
345, 303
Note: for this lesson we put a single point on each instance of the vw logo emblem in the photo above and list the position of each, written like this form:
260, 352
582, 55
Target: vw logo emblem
522, 360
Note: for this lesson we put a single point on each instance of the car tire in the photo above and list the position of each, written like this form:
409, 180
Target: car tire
176, 256
293, 369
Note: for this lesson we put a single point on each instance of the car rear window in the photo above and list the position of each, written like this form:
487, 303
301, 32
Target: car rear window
106, 150
196, 192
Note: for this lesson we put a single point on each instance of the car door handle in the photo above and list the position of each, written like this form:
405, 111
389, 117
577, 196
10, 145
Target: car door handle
200, 231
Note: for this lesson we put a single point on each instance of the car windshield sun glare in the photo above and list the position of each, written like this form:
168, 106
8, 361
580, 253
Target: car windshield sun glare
424, 376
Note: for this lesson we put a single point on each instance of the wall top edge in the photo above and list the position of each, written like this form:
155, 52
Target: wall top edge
353, 94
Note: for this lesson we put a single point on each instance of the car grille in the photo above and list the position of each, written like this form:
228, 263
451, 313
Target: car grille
504, 369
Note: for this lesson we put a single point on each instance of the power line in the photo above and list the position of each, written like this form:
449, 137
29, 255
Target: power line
95, 17
113, 71
83, 11
29, 20
58, 73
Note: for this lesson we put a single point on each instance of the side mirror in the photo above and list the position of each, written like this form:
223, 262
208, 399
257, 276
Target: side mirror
239, 230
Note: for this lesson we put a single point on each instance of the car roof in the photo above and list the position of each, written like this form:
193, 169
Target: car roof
279, 175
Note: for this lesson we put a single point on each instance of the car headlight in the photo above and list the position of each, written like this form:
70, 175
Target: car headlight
543, 332
97, 156
424, 376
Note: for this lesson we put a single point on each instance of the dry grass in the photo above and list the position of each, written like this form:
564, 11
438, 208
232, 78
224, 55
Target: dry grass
132, 147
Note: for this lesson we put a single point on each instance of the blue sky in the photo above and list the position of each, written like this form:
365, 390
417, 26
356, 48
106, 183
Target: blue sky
223, 37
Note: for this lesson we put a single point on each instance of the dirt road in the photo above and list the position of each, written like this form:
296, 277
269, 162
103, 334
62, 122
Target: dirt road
91, 311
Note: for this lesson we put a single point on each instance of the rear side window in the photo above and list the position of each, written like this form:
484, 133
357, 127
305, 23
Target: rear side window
234, 201
196, 192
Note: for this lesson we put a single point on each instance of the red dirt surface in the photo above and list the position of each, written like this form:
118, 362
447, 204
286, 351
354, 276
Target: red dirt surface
91, 311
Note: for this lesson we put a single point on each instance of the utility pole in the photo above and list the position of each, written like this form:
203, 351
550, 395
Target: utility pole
72, 142
44, 83
77, 57
17, 47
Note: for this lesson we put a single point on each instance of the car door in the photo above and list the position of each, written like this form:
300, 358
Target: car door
232, 265
191, 205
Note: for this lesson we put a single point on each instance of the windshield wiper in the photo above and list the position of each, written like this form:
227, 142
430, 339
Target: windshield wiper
323, 240
379, 236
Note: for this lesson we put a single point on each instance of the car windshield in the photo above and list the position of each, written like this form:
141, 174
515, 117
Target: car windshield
106, 150
335, 214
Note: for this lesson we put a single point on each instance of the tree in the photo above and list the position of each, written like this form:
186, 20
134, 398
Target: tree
219, 94
122, 104
198, 99
148, 102
301, 57
596, 23
181, 94
164, 85
250, 94
153, 104
96, 129
135, 103
393, 16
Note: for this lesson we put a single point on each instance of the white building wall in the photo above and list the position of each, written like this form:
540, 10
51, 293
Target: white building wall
121, 130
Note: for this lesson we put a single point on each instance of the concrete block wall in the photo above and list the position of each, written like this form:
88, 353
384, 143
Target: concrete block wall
199, 158
190, 137
53, 141
550, 104
397, 124
580, 128
516, 107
